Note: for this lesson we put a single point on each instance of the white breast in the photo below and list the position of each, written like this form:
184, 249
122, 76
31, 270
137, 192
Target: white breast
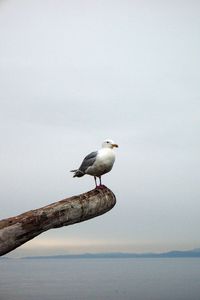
103, 164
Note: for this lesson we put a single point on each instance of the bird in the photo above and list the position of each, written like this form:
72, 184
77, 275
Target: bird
98, 163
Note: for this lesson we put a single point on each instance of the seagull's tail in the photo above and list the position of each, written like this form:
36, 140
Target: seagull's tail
77, 173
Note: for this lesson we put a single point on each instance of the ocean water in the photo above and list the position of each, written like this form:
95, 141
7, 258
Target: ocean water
99, 279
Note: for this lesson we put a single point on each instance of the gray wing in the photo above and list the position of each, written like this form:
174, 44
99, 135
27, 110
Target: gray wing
88, 161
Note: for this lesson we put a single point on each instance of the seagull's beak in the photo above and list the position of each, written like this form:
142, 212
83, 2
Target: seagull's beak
115, 145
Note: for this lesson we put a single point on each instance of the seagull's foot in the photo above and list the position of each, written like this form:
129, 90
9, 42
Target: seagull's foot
101, 186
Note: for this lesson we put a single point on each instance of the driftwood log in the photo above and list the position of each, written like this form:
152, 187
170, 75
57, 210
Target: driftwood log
16, 231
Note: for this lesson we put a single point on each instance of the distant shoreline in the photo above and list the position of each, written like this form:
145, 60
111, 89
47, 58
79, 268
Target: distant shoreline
121, 255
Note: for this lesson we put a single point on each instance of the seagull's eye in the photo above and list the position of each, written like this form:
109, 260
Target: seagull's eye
107, 142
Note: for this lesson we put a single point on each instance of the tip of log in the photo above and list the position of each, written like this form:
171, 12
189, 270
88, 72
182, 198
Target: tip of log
92, 203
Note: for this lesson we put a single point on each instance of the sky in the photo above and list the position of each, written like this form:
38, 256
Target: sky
74, 73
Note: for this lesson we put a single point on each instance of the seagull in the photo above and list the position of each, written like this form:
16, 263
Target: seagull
98, 163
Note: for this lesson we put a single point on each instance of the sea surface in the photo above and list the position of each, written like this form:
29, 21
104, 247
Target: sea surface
99, 279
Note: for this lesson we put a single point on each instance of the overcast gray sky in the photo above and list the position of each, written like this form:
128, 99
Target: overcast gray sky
73, 73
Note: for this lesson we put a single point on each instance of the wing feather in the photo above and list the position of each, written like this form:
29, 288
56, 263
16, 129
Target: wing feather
88, 161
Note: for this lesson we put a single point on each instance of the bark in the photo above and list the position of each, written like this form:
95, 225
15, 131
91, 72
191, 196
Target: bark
16, 231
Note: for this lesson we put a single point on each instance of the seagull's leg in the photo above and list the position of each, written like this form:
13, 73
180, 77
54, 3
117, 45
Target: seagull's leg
95, 179
100, 184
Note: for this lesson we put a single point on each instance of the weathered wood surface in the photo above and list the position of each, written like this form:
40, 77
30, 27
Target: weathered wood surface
16, 231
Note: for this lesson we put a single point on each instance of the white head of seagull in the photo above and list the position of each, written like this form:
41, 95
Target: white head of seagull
109, 144
98, 163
